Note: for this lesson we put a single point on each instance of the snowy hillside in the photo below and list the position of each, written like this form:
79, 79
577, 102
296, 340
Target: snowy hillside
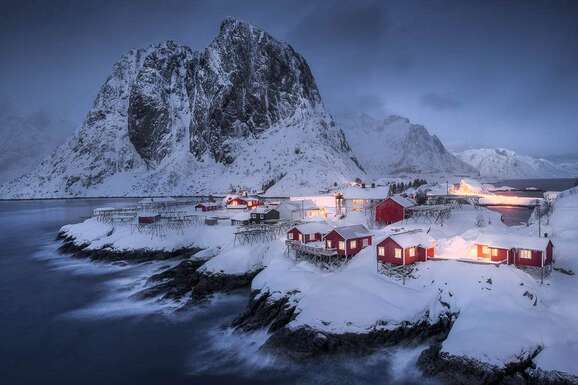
503, 163
26, 141
395, 145
246, 111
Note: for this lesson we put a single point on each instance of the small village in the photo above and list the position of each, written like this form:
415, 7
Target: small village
330, 229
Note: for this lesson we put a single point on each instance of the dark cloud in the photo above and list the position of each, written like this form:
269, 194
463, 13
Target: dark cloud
439, 102
513, 61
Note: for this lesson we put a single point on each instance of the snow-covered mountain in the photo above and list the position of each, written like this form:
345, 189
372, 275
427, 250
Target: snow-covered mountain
246, 111
503, 163
394, 145
26, 140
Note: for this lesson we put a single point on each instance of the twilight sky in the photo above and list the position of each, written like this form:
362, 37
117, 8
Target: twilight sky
476, 73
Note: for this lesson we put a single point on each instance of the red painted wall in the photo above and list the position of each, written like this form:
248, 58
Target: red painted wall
390, 245
388, 211
334, 237
306, 237
535, 261
549, 253
502, 254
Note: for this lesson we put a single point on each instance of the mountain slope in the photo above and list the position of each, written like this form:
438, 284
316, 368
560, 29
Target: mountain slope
246, 111
394, 145
503, 163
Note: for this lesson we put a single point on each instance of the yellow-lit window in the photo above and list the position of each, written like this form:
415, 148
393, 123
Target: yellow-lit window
398, 253
341, 245
494, 252
412, 252
352, 244
328, 244
301, 237
526, 254
485, 250
381, 251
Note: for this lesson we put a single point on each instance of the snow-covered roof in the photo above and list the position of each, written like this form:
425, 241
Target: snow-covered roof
353, 231
262, 210
243, 216
405, 202
374, 193
313, 228
510, 241
412, 239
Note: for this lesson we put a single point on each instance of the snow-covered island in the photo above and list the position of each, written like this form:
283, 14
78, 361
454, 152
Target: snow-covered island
485, 300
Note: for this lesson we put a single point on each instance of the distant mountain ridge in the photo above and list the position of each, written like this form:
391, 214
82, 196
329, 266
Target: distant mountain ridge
394, 145
504, 163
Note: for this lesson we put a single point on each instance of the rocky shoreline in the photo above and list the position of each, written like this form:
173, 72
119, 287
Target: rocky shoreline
71, 246
174, 283
455, 370
305, 342
263, 312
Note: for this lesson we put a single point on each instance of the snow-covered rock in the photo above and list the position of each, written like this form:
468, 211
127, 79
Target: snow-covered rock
245, 111
503, 163
394, 145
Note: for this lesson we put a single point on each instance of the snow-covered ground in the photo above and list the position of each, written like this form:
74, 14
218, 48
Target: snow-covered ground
504, 313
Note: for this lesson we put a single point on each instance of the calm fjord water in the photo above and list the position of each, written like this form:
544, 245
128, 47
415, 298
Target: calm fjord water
66, 321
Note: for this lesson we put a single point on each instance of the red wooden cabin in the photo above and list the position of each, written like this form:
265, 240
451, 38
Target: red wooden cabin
406, 248
514, 250
392, 209
309, 232
207, 206
148, 218
348, 240
242, 203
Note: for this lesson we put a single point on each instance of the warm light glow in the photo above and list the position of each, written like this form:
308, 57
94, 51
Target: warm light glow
488, 198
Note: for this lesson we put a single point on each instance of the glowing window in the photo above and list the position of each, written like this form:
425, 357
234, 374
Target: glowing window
381, 251
328, 244
341, 245
412, 252
398, 253
301, 237
352, 244
485, 250
526, 254
494, 252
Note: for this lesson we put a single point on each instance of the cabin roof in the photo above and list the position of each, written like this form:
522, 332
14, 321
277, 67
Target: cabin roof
262, 210
353, 231
511, 241
405, 202
412, 239
313, 227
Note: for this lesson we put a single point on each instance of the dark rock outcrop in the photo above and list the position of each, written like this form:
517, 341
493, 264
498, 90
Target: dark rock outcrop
455, 370
264, 313
173, 283
71, 246
303, 343
207, 284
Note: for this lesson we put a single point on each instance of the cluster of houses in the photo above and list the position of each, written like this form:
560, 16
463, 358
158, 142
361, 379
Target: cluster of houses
409, 247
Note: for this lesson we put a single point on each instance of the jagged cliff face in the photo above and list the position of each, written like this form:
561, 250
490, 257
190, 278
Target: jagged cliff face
245, 111
394, 145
